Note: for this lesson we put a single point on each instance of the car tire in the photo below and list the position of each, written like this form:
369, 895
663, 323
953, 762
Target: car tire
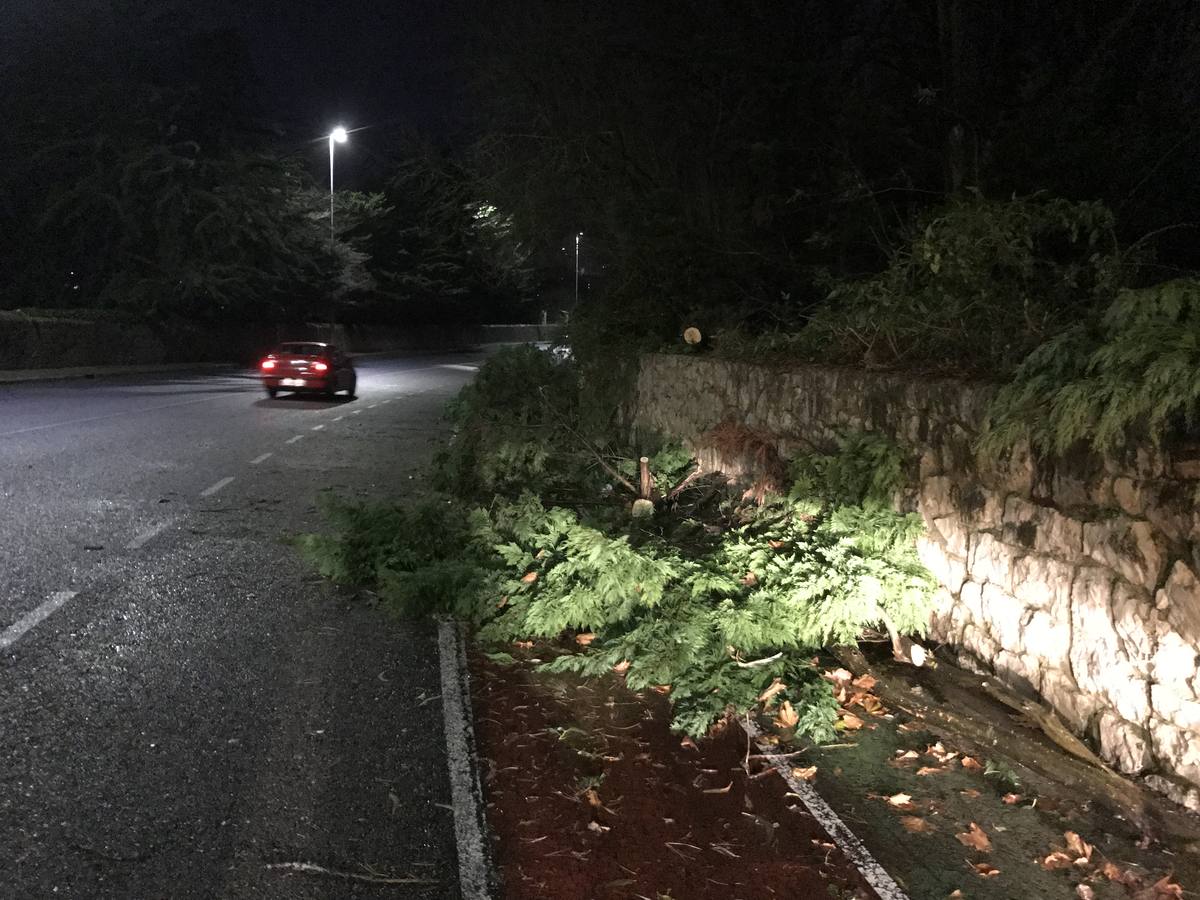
272, 393
350, 390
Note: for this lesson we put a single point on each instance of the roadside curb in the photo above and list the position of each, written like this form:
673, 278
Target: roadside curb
476, 876
875, 875
17, 376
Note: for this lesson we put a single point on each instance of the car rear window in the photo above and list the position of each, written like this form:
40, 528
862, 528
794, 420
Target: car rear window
300, 349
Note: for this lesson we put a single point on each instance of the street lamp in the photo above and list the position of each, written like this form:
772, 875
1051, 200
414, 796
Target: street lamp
337, 136
577, 237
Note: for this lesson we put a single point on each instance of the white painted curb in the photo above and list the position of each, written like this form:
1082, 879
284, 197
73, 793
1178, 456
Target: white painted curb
475, 876
876, 876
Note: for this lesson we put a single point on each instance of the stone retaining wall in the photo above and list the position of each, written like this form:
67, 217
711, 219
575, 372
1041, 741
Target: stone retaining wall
1073, 580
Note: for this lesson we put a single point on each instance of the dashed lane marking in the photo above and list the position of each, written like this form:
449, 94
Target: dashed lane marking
293, 440
357, 412
262, 458
373, 406
339, 418
16, 631
317, 427
147, 536
213, 488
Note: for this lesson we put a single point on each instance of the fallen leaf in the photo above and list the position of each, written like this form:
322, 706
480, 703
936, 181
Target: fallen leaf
622, 667
585, 638
1163, 889
749, 579
1084, 892
916, 824
957, 893
688, 744
502, 602
840, 677
901, 801
909, 726
592, 798
984, 870
851, 722
661, 688
909, 754
971, 763
1012, 799
871, 704
724, 790
523, 645
775, 545
970, 793
776, 686
1057, 860
1113, 872
865, 682
1077, 845
975, 837
929, 770
807, 774
597, 827
787, 717
529, 578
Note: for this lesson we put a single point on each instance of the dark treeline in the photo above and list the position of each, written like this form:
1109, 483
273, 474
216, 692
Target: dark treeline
730, 158
732, 164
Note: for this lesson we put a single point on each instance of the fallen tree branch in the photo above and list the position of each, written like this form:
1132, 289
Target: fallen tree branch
307, 868
956, 705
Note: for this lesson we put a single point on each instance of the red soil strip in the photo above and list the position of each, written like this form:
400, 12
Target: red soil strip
590, 795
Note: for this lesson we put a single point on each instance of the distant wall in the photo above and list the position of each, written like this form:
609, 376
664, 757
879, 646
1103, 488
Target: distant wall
52, 339
1072, 580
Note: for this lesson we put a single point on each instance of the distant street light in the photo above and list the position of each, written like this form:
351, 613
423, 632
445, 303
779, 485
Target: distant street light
577, 237
337, 136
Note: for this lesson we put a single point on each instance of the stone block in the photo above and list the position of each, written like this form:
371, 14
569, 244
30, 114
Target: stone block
939, 497
1129, 495
992, 560
1075, 707
1004, 616
1186, 795
949, 570
1174, 663
1128, 547
1132, 615
1042, 582
1048, 637
1016, 671
1177, 749
1179, 601
1124, 744
954, 535
970, 598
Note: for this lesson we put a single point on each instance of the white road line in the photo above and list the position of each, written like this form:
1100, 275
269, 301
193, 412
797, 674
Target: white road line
146, 536
871, 870
357, 412
339, 418
373, 406
458, 367
115, 415
293, 440
16, 631
466, 795
213, 488
389, 400
317, 427
262, 458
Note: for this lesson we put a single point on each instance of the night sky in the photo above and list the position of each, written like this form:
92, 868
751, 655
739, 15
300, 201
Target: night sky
386, 67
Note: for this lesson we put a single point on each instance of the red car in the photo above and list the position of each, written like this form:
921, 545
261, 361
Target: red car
308, 367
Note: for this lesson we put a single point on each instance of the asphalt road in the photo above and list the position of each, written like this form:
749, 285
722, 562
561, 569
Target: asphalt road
198, 712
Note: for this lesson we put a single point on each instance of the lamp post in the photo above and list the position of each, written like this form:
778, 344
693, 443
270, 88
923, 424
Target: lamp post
337, 136
577, 237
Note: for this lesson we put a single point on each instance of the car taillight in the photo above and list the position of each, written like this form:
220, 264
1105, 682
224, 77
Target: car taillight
320, 366
268, 363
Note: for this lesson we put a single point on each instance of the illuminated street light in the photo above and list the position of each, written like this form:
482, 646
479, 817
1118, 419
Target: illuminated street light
337, 136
